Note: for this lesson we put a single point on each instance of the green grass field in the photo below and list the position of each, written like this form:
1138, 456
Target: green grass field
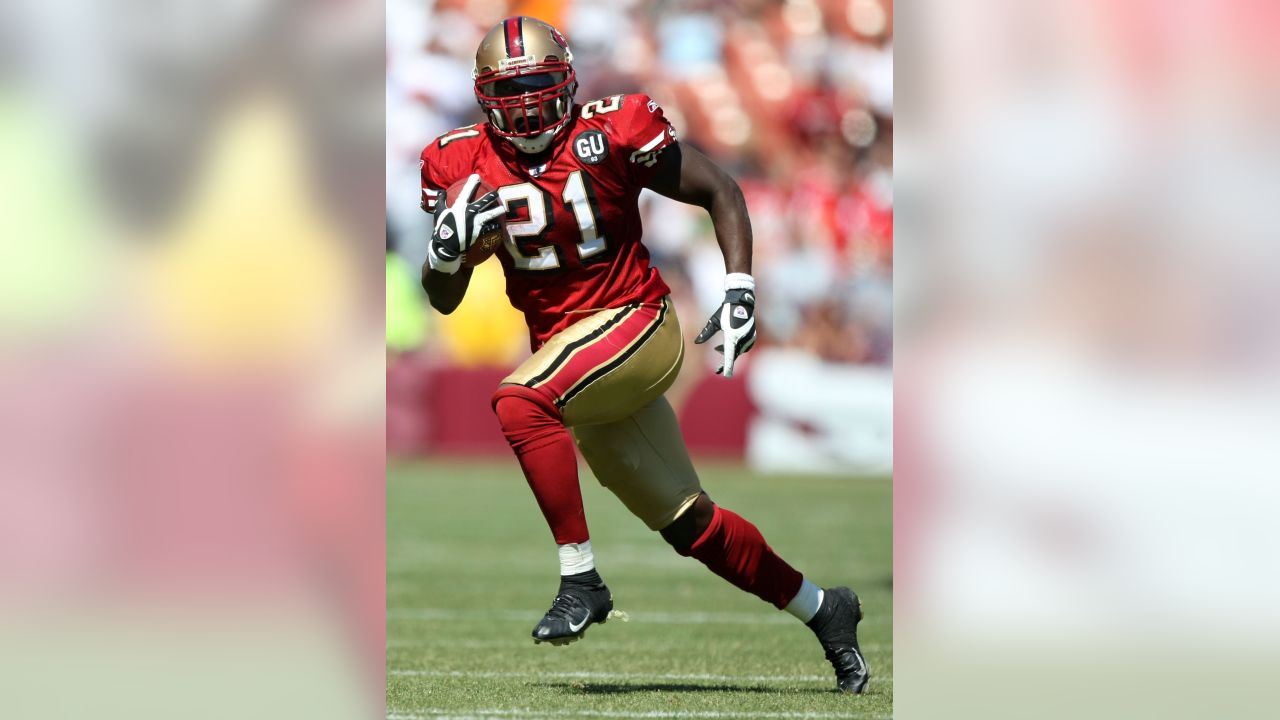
471, 567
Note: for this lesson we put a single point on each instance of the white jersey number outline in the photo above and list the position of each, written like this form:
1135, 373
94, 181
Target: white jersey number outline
578, 197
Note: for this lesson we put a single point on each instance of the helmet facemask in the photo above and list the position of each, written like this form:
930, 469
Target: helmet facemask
528, 105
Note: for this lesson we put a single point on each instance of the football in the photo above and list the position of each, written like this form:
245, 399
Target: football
486, 245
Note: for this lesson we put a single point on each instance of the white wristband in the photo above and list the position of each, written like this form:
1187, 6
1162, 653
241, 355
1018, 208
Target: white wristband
739, 281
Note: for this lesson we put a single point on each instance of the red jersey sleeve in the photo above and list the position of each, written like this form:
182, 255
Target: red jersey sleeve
643, 133
448, 159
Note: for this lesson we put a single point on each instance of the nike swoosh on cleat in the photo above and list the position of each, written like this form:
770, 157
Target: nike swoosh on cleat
579, 626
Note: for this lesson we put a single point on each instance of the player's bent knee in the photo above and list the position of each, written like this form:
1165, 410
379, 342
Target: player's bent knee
518, 407
685, 530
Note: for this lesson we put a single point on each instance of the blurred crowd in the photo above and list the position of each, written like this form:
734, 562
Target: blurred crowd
793, 97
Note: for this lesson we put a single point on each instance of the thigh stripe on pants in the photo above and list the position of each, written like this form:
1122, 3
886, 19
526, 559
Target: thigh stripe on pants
618, 360
572, 348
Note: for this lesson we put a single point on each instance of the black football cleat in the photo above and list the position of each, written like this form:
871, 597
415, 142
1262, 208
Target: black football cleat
836, 626
577, 606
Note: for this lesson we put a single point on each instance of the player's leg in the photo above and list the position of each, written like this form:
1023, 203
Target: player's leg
559, 383
535, 430
643, 460
733, 548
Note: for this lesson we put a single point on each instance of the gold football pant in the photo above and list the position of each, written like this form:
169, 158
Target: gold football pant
606, 374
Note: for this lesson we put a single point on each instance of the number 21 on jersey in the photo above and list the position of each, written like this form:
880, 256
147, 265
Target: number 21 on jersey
578, 197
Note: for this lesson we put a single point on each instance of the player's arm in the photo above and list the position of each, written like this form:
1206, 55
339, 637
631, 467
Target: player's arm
685, 174
445, 291
454, 229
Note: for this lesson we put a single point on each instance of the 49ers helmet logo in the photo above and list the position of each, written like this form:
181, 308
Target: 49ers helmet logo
591, 147
559, 39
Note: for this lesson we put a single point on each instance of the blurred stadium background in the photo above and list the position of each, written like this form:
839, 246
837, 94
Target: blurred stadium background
795, 98
1087, 364
191, 430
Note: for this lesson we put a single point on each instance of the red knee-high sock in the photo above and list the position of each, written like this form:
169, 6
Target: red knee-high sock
735, 550
534, 428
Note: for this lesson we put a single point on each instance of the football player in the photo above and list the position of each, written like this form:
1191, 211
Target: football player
606, 340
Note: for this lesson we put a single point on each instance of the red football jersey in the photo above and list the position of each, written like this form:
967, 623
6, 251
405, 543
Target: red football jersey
573, 220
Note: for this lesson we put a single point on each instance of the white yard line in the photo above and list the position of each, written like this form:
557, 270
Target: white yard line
599, 640
587, 675
707, 714
590, 675
659, 618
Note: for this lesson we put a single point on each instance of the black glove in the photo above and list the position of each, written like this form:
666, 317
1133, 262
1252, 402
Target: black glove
457, 226
736, 318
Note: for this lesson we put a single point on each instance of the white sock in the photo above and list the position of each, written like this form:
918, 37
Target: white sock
576, 558
806, 602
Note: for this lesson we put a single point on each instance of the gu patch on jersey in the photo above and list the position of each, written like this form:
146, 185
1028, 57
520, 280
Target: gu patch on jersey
591, 147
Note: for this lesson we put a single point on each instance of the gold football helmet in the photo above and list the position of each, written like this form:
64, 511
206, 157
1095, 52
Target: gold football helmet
525, 82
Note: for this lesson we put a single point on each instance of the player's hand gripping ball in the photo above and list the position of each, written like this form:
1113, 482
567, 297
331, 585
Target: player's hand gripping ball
489, 234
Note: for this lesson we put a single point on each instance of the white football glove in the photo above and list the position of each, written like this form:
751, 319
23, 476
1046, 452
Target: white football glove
457, 226
736, 318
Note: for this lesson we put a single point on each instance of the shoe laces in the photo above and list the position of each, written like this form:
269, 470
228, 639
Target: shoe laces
564, 604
